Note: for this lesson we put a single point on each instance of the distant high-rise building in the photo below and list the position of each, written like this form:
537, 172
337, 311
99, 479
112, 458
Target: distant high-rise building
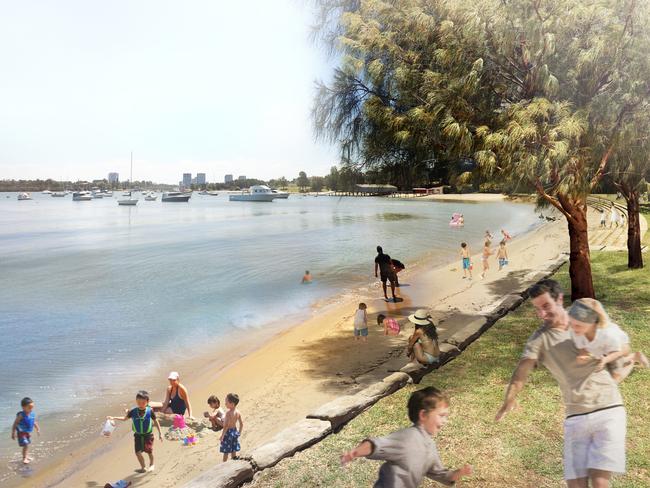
228, 179
113, 177
200, 178
187, 179
242, 178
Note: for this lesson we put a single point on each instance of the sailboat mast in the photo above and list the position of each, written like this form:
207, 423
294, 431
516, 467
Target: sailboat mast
131, 179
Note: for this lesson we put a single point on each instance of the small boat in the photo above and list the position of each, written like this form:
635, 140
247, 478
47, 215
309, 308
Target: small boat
107, 193
176, 196
81, 196
203, 192
151, 197
212, 193
128, 201
24, 196
257, 193
280, 194
126, 194
46, 192
59, 193
98, 194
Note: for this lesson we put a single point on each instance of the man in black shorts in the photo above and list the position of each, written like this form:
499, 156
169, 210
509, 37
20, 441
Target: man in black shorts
384, 265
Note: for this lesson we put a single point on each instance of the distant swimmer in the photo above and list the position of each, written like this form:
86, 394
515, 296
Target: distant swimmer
306, 279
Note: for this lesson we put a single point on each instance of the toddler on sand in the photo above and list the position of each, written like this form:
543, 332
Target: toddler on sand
230, 435
411, 454
391, 326
143, 419
361, 323
217, 414
23, 427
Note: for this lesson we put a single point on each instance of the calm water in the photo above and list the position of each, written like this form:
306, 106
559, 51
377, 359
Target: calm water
91, 291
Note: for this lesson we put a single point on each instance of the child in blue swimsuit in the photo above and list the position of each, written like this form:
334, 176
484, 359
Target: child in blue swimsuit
230, 434
24, 425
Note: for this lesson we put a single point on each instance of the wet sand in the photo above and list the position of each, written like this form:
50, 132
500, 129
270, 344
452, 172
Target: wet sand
305, 366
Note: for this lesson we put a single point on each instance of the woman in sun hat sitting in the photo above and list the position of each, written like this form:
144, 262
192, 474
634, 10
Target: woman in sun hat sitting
423, 343
177, 399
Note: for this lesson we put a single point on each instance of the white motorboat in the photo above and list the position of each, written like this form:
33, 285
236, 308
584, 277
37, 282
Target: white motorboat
176, 196
46, 192
107, 193
98, 194
151, 197
280, 194
59, 193
256, 193
81, 196
213, 193
24, 196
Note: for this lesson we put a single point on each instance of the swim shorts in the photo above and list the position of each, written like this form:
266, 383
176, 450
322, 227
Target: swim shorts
24, 439
466, 263
388, 277
143, 443
503, 262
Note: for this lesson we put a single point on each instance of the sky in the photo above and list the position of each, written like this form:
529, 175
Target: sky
207, 86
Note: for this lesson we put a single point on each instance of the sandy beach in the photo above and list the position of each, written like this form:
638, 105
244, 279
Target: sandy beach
307, 365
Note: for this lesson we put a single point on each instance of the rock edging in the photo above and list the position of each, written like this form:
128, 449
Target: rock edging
332, 416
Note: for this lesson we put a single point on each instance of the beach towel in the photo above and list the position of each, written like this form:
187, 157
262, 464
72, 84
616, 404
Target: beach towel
230, 442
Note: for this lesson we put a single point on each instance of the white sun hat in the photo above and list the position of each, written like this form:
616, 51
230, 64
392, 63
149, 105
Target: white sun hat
173, 375
420, 317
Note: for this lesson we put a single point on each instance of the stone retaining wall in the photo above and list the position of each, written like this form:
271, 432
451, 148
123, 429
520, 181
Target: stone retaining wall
332, 416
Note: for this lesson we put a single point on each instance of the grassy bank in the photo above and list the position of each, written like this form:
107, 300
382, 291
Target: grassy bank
525, 449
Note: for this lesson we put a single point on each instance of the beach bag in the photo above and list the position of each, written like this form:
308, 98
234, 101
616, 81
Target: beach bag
108, 428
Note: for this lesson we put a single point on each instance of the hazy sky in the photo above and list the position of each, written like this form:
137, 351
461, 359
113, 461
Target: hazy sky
207, 86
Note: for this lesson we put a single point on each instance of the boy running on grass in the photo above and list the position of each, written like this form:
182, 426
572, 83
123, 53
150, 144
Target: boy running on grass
143, 418
411, 453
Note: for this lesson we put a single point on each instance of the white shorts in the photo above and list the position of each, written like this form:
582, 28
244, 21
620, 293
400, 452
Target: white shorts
594, 441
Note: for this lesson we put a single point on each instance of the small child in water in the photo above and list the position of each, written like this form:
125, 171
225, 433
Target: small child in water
411, 454
502, 255
466, 257
306, 279
506, 237
596, 337
361, 323
230, 435
143, 419
391, 326
217, 413
23, 427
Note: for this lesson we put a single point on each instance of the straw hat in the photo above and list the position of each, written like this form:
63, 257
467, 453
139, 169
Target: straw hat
420, 317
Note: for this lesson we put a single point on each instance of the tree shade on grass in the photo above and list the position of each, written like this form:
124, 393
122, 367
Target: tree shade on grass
525, 449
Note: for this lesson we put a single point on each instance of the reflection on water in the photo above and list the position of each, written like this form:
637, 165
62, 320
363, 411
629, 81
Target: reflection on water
391, 216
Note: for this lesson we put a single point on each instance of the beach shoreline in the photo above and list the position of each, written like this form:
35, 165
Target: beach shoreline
293, 372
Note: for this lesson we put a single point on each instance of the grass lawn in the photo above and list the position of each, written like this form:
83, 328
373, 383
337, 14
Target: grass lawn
524, 450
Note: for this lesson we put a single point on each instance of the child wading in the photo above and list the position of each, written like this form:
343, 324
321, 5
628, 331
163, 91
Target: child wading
143, 419
411, 453
361, 323
230, 435
23, 427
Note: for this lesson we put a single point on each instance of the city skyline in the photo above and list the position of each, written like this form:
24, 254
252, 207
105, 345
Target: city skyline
164, 81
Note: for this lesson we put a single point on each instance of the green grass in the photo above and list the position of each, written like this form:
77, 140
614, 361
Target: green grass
524, 450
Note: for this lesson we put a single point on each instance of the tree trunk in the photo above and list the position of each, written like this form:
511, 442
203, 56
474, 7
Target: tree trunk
582, 285
634, 256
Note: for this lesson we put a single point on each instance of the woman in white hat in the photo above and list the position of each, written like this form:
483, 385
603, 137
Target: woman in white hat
423, 343
177, 400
